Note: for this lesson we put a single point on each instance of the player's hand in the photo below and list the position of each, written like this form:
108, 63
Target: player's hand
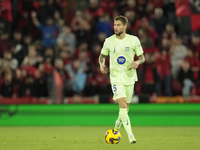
102, 69
134, 65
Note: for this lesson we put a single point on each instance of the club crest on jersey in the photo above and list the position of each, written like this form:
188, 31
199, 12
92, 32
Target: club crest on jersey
121, 60
126, 48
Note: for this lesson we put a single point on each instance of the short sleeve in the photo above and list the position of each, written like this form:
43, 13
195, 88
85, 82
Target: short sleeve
105, 50
138, 47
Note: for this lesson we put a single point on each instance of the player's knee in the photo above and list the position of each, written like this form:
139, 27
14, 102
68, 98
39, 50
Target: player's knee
122, 102
123, 105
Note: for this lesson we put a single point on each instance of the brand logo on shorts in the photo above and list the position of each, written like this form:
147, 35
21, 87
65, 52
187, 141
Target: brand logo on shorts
127, 122
121, 60
126, 48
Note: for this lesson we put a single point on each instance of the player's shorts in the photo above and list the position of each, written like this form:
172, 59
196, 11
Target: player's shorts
120, 90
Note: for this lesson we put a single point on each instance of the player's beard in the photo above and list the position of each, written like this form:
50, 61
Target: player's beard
118, 34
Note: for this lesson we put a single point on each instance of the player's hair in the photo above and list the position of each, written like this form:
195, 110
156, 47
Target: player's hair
123, 19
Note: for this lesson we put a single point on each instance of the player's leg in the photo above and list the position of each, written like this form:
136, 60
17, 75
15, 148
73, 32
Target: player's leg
118, 122
125, 119
128, 107
118, 91
129, 94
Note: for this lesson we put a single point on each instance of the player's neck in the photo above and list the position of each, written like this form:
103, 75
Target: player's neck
121, 36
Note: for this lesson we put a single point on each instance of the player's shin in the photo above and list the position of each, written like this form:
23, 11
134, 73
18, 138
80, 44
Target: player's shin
118, 122
125, 120
127, 124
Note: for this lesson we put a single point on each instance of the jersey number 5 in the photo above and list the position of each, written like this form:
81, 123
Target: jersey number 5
114, 88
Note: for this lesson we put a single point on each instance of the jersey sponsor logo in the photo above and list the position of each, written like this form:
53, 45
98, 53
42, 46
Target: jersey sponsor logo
121, 60
127, 49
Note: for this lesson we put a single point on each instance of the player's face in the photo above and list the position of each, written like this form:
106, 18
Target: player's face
119, 28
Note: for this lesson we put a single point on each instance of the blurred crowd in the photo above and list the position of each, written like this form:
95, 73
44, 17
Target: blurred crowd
40, 37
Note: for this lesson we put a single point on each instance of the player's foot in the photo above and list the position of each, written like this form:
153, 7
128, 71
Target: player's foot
132, 139
117, 125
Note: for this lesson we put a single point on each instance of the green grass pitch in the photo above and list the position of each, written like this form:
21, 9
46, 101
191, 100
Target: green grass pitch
92, 138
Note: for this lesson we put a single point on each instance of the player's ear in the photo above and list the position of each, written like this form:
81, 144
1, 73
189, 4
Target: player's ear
125, 26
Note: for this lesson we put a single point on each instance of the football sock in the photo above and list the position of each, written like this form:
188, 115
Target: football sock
125, 120
118, 122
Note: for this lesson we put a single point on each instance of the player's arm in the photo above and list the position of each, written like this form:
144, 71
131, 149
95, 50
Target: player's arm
141, 60
102, 59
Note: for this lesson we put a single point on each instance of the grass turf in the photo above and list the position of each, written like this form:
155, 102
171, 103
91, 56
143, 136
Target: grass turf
92, 138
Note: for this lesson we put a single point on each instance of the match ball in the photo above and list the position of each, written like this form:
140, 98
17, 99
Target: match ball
112, 136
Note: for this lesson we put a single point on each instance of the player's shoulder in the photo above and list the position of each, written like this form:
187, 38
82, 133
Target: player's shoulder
110, 38
132, 37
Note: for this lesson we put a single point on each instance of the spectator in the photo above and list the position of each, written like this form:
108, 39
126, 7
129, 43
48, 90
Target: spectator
158, 22
194, 64
19, 83
165, 44
41, 82
83, 46
4, 42
134, 22
61, 86
96, 49
2, 26
151, 32
17, 52
27, 40
150, 75
49, 53
169, 32
195, 45
92, 25
24, 11
178, 53
17, 37
45, 9
67, 37
101, 38
12, 62
81, 26
104, 25
77, 76
58, 20
49, 30
146, 41
186, 78
6, 13
94, 10
130, 5
29, 69
8, 88
28, 74
102, 82
4, 69
65, 56
162, 60
107, 6
34, 59
169, 10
